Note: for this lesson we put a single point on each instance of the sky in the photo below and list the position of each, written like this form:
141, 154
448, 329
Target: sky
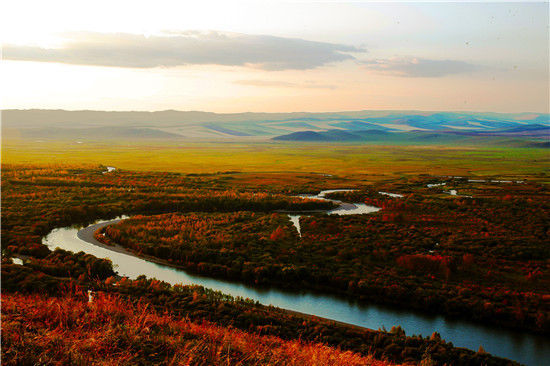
272, 56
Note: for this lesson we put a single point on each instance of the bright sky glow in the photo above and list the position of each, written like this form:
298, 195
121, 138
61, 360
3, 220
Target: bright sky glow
275, 57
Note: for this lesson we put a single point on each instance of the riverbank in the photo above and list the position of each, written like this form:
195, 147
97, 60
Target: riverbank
314, 305
87, 234
37, 200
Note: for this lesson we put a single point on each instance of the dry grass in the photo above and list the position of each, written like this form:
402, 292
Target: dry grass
110, 331
346, 160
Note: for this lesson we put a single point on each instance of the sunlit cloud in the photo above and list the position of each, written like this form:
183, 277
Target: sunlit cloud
187, 48
419, 67
284, 84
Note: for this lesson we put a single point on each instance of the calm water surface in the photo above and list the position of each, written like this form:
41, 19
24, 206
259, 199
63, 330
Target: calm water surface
520, 346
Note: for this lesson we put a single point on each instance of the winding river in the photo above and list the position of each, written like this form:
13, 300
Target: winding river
520, 346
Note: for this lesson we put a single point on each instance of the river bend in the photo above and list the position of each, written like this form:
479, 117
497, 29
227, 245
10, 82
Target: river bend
524, 347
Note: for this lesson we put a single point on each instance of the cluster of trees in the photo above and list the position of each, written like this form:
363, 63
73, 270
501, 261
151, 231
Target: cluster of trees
475, 258
484, 256
35, 200
235, 245
197, 302
61, 263
67, 310
426, 263
494, 248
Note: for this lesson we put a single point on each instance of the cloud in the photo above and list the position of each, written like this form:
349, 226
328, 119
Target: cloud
284, 84
184, 48
419, 67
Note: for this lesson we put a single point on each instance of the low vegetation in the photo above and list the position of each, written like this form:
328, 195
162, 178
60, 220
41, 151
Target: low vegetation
349, 160
499, 236
108, 330
483, 258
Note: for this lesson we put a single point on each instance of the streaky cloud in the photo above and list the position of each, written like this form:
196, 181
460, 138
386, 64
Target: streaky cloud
186, 48
284, 84
419, 67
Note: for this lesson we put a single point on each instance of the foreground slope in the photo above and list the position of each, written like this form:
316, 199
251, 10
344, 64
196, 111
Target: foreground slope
106, 330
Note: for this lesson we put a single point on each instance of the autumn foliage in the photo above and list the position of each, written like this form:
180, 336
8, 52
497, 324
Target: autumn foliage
476, 258
484, 258
108, 330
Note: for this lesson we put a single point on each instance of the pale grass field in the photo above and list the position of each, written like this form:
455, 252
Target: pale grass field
342, 159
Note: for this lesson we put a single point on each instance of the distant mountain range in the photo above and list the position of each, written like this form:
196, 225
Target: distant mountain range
533, 131
360, 126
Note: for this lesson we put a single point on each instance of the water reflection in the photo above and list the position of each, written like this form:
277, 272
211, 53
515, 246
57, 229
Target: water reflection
520, 346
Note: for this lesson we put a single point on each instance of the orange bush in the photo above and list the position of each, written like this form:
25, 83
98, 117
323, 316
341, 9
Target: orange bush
110, 331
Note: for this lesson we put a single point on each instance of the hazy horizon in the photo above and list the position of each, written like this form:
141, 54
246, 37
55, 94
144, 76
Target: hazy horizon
290, 112
275, 56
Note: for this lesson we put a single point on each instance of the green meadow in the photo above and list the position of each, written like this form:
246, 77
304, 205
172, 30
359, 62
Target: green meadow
339, 159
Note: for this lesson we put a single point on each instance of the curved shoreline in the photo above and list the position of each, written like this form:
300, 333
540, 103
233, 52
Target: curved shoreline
343, 208
295, 302
87, 234
396, 315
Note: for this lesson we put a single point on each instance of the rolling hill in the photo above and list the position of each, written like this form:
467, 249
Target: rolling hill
359, 126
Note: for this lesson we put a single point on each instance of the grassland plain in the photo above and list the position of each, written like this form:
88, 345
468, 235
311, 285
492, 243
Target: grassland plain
342, 159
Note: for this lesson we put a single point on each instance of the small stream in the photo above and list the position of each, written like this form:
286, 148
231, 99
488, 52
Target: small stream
344, 208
